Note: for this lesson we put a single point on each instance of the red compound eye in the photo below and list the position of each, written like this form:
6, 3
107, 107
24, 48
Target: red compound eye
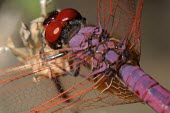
56, 22
52, 16
68, 14
52, 33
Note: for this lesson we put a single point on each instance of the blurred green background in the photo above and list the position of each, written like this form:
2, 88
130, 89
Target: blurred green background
155, 59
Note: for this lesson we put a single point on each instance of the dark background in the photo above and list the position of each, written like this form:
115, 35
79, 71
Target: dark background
155, 37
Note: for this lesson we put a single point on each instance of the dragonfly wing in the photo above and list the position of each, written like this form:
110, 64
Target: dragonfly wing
65, 91
85, 94
121, 18
88, 90
109, 91
19, 93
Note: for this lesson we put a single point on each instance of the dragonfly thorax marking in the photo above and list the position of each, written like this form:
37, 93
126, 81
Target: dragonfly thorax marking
98, 44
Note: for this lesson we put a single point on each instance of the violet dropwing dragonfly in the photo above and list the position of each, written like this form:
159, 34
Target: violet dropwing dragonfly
99, 68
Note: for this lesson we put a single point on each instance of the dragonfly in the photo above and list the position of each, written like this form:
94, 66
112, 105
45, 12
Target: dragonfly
98, 66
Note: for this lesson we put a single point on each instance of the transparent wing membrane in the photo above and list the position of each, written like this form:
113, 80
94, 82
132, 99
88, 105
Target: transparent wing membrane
121, 18
116, 16
19, 93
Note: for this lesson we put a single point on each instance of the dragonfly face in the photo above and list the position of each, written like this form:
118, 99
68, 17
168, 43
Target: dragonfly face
61, 26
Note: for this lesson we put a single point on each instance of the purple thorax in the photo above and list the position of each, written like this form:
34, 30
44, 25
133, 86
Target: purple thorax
91, 36
79, 40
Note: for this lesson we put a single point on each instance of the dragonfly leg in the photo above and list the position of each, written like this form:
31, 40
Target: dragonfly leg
59, 88
77, 70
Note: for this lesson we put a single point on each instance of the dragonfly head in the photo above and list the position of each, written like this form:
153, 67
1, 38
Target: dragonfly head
61, 26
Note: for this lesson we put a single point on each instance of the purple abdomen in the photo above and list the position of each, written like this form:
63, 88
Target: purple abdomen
146, 88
